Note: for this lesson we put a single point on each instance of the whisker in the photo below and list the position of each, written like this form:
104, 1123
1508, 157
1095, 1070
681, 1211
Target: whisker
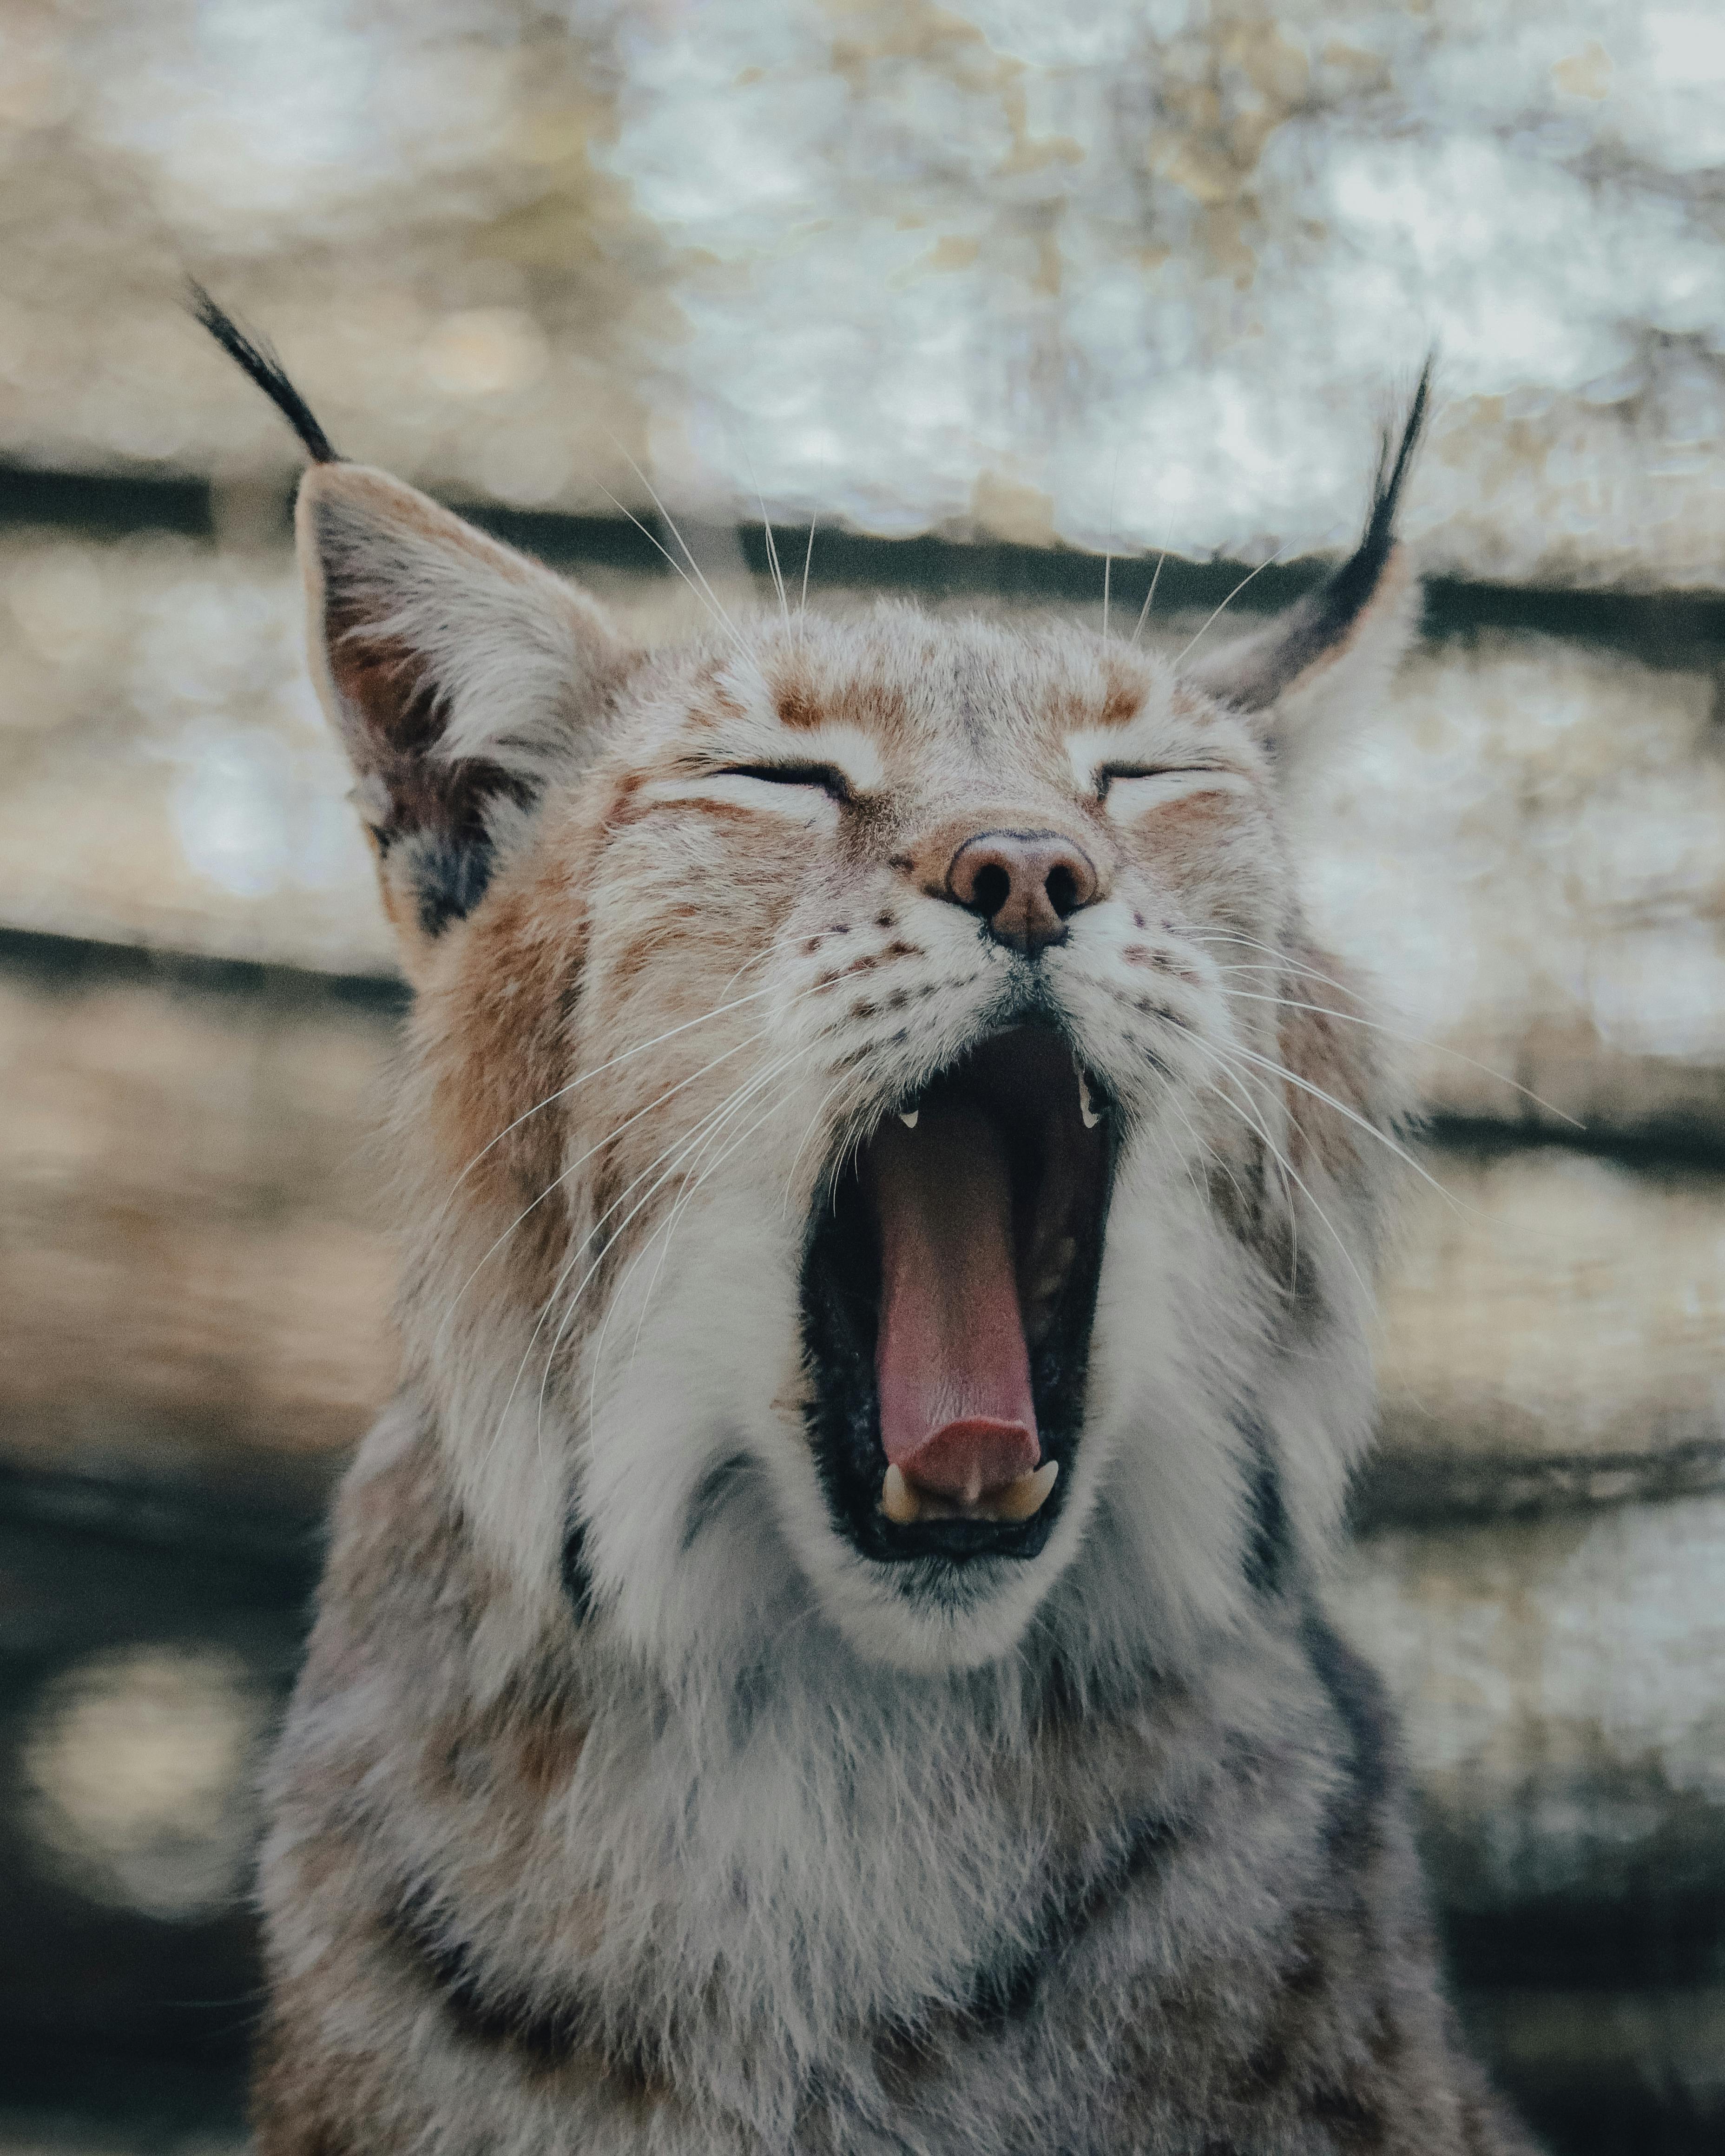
703, 1136
684, 1198
670, 525
675, 1147
672, 1156
678, 1147
641, 1048
850, 1078
1206, 1151
652, 538
1410, 1040
1251, 1115
1364, 1122
784, 605
563, 1175
808, 557
1283, 1168
1149, 596
1289, 964
1288, 1169
1233, 596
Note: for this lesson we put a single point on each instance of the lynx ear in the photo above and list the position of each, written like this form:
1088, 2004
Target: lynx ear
1333, 652
459, 674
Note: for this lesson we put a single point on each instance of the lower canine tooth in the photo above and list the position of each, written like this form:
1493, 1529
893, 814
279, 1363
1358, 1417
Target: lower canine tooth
899, 1500
1021, 1500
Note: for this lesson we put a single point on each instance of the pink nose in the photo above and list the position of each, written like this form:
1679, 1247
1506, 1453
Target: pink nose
967, 1459
1025, 884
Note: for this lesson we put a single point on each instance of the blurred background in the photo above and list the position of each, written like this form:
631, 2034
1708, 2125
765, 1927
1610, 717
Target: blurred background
991, 289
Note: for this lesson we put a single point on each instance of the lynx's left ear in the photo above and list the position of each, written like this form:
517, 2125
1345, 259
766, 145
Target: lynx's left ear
459, 674
1332, 654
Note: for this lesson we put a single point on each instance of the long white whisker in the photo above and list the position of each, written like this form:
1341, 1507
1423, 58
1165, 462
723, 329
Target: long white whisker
1364, 1122
1287, 964
684, 1199
784, 604
1287, 1169
652, 538
1410, 1040
808, 557
704, 1132
1234, 595
849, 1078
1149, 596
1284, 1167
563, 1174
672, 1156
1206, 1151
671, 526
675, 1147
641, 1048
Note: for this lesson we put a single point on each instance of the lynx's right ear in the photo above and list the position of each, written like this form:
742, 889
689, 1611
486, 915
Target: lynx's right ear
459, 674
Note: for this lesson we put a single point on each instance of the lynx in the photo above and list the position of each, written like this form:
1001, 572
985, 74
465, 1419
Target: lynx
823, 1652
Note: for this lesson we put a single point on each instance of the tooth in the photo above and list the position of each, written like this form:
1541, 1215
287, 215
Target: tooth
1023, 1499
908, 1116
899, 1500
1091, 1117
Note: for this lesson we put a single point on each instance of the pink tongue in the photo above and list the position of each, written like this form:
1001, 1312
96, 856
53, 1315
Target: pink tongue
951, 1363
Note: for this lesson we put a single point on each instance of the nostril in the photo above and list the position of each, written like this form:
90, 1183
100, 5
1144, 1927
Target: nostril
1062, 888
989, 890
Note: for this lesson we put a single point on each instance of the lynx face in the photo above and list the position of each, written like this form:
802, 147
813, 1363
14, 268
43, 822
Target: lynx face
873, 1251
887, 1157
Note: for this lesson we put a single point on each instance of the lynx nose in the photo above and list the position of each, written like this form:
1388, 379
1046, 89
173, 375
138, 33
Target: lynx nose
1026, 884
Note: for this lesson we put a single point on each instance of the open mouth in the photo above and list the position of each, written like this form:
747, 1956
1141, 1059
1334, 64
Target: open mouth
949, 1291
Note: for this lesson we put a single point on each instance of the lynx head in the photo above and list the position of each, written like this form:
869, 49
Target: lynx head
892, 1164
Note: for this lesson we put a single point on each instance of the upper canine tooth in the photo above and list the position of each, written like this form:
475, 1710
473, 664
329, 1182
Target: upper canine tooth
1091, 1117
898, 1500
1020, 1500
908, 1116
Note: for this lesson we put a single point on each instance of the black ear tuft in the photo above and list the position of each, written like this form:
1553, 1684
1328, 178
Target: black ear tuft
258, 359
1317, 630
1350, 590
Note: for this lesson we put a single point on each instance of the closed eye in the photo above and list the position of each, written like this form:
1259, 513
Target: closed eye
827, 777
1110, 772
1131, 789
